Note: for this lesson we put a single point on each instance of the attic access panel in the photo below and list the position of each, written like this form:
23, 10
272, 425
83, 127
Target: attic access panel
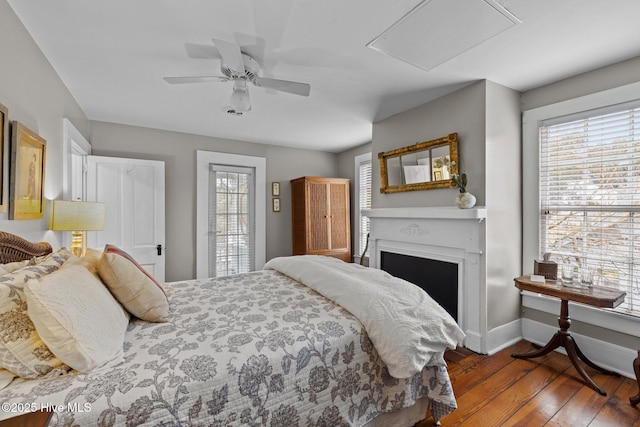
436, 31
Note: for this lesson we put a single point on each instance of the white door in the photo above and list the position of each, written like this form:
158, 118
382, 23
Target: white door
133, 191
230, 245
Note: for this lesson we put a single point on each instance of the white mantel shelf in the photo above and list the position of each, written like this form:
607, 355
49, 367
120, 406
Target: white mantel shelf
444, 212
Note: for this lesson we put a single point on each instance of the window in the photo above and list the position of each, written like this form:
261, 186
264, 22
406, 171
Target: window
363, 197
590, 195
231, 220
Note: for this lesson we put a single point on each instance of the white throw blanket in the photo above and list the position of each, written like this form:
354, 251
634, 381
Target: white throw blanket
407, 327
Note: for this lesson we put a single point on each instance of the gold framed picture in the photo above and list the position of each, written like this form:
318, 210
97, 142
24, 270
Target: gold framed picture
275, 188
4, 148
276, 204
26, 184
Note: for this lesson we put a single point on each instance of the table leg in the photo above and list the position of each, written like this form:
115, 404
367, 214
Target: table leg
636, 368
562, 338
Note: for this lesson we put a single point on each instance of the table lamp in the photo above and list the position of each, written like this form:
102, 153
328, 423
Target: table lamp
77, 217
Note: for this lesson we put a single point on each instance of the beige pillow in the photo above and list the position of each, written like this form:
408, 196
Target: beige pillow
133, 286
21, 349
77, 317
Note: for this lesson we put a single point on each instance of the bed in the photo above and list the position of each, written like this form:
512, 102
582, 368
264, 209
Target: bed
260, 348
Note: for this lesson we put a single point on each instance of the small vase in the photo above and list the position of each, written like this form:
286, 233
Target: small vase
465, 200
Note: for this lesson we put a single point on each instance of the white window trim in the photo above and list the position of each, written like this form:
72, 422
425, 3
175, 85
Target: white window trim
361, 158
531, 202
203, 160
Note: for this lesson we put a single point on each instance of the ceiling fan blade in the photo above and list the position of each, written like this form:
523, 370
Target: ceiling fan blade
296, 88
231, 55
195, 79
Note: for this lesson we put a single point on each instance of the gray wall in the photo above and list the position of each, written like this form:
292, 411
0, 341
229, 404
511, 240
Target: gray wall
178, 151
502, 159
462, 111
37, 98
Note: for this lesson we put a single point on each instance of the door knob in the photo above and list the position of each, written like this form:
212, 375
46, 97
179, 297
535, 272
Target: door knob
159, 249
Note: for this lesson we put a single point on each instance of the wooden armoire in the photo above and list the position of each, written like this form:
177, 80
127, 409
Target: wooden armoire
321, 217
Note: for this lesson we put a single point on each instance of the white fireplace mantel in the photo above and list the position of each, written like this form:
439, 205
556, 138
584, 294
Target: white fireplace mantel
446, 234
447, 212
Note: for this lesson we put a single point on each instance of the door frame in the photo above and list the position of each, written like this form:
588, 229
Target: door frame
73, 142
203, 160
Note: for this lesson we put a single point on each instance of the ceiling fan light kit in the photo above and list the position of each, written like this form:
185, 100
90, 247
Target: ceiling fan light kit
240, 101
241, 68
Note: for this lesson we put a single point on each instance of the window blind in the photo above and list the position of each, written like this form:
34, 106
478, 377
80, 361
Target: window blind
364, 202
590, 196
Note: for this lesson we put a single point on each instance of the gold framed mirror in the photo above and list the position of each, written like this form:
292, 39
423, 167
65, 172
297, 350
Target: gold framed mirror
422, 166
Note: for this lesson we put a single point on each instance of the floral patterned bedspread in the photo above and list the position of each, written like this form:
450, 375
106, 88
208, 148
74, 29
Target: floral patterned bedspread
253, 349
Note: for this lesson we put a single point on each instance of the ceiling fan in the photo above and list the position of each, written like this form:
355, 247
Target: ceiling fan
241, 68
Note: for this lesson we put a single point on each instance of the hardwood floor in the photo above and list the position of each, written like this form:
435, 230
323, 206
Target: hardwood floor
500, 390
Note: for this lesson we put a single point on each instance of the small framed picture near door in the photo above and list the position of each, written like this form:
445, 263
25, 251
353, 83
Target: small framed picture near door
4, 148
275, 188
276, 204
26, 184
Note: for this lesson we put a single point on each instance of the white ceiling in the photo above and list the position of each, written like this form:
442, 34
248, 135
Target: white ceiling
113, 55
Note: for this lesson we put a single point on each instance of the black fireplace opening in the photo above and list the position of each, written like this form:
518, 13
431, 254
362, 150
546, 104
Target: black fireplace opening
438, 278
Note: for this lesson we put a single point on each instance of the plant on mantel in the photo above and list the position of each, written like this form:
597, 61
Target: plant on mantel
460, 182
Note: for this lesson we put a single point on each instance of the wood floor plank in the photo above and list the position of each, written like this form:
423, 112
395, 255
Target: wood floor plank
541, 408
486, 388
617, 411
473, 374
506, 403
499, 390
586, 403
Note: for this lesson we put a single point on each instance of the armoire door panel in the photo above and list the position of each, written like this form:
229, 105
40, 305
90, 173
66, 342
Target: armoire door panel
339, 216
319, 233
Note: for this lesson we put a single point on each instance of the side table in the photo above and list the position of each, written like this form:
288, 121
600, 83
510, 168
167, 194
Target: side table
636, 368
595, 296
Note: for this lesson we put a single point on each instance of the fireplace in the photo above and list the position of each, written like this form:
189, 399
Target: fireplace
437, 237
438, 278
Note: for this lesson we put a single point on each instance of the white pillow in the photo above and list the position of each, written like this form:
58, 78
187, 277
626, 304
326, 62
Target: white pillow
77, 317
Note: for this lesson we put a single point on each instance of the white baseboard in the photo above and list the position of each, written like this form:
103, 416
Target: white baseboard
473, 342
503, 336
609, 356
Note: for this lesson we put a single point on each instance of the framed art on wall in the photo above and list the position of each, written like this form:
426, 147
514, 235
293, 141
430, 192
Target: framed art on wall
26, 184
4, 146
276, 204
275, 188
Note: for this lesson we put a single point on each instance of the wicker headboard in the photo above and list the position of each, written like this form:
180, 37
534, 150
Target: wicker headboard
14, 248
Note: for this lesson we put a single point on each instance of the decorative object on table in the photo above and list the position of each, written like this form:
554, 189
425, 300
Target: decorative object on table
464, 200
545, 267
567, 273
276, 204
587, 275
275, 188
77, 217
26, 184
4, 145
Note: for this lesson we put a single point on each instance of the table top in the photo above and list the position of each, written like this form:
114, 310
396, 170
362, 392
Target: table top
596, 296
